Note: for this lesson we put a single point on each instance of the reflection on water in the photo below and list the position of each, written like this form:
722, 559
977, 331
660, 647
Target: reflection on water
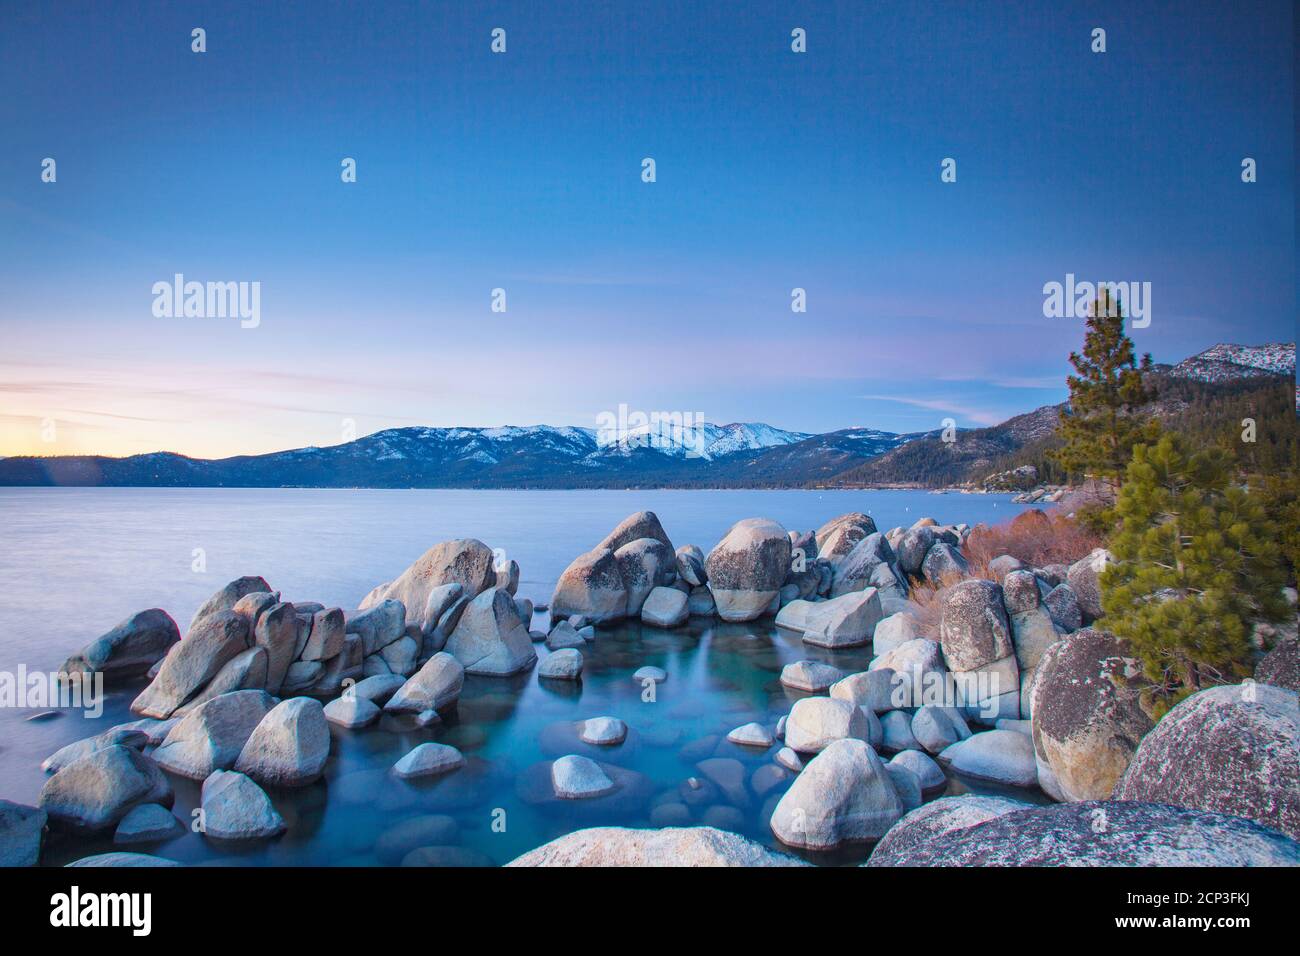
500, 804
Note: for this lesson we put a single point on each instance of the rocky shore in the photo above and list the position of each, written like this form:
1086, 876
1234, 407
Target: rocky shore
1007, 678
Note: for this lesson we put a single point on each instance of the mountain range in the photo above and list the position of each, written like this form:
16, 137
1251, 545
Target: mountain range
743, 454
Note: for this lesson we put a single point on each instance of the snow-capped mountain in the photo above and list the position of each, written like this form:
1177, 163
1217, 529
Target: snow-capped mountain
538, 456
1227, 362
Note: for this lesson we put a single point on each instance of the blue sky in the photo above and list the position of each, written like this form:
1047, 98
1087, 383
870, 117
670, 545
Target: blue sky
521, 171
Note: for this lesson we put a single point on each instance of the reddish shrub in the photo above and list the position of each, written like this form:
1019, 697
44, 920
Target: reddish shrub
1036, 538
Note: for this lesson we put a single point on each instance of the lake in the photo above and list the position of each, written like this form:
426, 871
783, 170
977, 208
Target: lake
75, 561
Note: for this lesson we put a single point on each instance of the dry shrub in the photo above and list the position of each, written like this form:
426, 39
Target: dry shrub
1036, 538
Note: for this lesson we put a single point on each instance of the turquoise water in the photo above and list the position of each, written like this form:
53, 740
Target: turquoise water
76, 561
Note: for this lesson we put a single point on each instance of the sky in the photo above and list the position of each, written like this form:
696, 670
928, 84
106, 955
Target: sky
522, 171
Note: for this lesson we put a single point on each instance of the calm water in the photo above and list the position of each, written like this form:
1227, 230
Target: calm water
74, 562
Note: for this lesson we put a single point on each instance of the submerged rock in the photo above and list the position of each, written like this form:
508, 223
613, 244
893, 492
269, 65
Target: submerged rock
564, 664
577, 778
751, 735
429, 759
603, 731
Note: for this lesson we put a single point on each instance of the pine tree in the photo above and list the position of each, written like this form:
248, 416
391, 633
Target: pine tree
1103, 424
1197, 568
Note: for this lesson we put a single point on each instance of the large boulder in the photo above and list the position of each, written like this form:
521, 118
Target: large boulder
1000, 756
276, 632
236, 808
671, 846
839, 536
946, 815
380, 624
912, 548
1084, 579
435, 686
147, 823
944, 564
1032, 630
872, 690
193, 662
490, 639
1100, 833
665, 607
1281, 666
229, 596
976, 640
129, 649
815, 723
211, 736
592, 587
644, 564
97, 791
466, 561
1087, 717
893, 631
121, 735
747, 568
22, 831
290, 745
640, 524
871, 563
1232, 749
917, 663
245, 671
1063, 606
846, 621
690, 565
843, 795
